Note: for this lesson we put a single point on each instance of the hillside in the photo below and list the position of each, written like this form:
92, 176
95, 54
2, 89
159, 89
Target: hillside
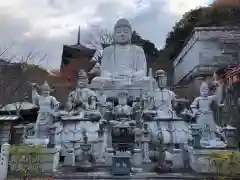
219, 13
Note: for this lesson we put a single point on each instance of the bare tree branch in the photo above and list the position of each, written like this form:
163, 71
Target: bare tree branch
13, 79
98, 38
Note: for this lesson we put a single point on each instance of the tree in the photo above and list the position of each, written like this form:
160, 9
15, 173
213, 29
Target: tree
15, 75
219, 13
98, 39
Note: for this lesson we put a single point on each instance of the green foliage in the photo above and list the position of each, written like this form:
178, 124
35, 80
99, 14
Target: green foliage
25, 160
225, 163
224, 15
148, 47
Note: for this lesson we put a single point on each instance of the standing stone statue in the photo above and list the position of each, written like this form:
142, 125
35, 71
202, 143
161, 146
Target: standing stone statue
48, 107
163, 99
122, 62
201, 108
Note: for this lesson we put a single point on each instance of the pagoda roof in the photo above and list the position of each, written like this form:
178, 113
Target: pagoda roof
81, 48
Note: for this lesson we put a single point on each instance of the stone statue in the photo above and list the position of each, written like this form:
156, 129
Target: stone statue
82, 98
201, 108
48, 107
123, 112
163, 99
82, 116
122, 109
122, 62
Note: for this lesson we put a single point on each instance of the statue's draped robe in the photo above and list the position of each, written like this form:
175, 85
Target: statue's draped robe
47, 106
72, 135
162, 102
127, 59
203, 106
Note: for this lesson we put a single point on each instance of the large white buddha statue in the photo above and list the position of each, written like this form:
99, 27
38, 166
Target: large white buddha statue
122, 62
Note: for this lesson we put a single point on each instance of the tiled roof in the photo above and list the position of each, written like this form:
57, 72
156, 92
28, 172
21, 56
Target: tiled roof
8, 117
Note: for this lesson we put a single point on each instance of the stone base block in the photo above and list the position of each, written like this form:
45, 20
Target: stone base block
199, 159
48, 161
137, 158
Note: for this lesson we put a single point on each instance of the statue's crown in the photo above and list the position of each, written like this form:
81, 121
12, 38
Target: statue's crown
123, 23
46, 86
160, 73
123, 94
81, 74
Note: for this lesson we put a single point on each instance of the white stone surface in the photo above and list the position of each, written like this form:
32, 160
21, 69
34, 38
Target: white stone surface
4, 161
108, 156
122, 63
137, 158
77, 121
201, 108
48, 107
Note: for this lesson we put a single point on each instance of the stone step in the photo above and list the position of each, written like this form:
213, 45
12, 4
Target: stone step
139, 176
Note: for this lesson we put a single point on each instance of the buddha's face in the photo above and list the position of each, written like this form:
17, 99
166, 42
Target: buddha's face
122, 35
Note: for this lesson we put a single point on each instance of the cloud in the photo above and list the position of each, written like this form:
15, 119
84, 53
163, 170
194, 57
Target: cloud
44, 26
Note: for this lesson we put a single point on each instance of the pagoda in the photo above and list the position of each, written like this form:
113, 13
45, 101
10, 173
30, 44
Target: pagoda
75, 57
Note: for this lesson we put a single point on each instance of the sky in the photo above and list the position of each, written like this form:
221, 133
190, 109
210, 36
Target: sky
43, 26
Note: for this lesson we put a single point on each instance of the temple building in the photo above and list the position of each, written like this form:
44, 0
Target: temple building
207, 50
75, 57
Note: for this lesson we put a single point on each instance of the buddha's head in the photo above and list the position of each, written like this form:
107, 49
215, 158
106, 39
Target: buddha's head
204, 90
161, 78
82, 79
122, 32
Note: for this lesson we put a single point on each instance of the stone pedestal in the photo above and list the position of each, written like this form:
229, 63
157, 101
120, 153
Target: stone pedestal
48, 161
199, 161
100, 153
230, 134
69, 159
196, 135
108, 156
121, 164
86, 165
137, 158
177, 158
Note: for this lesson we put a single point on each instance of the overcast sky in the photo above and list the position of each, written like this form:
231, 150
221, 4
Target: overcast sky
45, 25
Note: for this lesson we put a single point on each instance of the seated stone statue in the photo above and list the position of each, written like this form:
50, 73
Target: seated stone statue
163, 99
201, 108
122, 62
78, 99
123, 112
82, 118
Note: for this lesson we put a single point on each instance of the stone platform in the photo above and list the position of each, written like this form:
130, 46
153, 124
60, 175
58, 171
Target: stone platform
104, 173
138, 176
